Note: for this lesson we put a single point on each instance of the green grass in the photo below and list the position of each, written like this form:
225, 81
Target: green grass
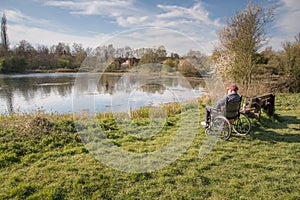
42, 157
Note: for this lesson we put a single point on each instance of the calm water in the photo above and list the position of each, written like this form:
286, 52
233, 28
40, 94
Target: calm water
68, 93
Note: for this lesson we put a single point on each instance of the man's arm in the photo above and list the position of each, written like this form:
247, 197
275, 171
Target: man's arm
220, 103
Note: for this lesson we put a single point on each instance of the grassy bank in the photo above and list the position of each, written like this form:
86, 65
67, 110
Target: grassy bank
42, 157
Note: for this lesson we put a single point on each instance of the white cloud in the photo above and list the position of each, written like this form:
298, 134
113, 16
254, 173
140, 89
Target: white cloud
17, 16
149, 37
38, 31
128, 21
288, 17
39, 36
104, 8
294, 4
128, 13
184, 24
196, 13
286, 25
193, 21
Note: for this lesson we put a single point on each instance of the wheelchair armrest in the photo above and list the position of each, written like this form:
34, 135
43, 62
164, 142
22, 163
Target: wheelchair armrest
216, 110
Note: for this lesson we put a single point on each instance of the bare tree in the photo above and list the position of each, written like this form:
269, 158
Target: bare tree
240, 42
297, 38
4, 36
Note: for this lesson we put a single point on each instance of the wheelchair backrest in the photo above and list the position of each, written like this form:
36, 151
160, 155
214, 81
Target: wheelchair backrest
232, 109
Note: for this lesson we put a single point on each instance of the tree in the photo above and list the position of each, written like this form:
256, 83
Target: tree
4, 36
291, 63
15, 64
24, 48
186, 68
79, 55
198, 60
62, 49
150, 56
161, 51
240, 42
297, 38
171, 63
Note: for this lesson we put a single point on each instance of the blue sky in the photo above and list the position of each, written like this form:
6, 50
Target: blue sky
179, 25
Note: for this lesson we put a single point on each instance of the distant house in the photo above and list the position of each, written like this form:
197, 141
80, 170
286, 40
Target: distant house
182, 61
163, 59
132, 61
125, 64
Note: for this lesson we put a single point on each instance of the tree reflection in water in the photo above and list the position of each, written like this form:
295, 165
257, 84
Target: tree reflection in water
54, 92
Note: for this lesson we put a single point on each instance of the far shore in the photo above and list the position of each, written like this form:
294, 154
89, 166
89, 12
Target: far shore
108, 73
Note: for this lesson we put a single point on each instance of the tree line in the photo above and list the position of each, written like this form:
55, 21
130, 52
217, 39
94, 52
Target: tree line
242, 56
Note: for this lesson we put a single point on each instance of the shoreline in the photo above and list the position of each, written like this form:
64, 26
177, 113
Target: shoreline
169, 106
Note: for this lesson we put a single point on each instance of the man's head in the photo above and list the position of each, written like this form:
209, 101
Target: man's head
232, 89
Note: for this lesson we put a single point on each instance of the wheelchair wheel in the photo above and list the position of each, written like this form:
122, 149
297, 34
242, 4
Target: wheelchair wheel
242, 125
220, 127
208, 131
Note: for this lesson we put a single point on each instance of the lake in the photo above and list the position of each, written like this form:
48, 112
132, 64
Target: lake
92, 92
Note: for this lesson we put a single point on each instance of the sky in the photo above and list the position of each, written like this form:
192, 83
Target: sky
178, 25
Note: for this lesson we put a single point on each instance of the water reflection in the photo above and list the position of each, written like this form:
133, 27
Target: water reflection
93, 92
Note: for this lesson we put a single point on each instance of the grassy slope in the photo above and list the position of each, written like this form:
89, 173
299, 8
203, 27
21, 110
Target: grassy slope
42, 157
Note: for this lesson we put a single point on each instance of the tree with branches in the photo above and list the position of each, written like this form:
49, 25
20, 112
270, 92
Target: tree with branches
4, 36
240, 41
291, 64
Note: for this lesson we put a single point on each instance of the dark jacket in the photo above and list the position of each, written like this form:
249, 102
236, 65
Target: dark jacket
230, 97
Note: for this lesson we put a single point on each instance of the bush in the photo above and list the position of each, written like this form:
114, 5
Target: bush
13, 64
63, 63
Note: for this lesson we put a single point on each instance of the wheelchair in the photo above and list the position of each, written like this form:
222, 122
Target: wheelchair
224, 122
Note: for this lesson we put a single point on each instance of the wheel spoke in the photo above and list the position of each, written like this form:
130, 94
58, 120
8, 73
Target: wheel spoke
242, 125
221, 128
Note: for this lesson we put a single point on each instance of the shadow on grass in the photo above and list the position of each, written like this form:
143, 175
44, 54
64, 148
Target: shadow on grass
280, 129
272, 136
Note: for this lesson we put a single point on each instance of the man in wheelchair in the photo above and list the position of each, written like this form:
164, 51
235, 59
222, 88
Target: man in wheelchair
232, 96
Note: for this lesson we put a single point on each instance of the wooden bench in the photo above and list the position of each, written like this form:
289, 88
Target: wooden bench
252, 105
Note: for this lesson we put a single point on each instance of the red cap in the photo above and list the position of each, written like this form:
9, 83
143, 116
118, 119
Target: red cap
233, 87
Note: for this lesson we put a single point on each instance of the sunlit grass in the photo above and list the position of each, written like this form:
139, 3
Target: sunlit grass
42, 157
